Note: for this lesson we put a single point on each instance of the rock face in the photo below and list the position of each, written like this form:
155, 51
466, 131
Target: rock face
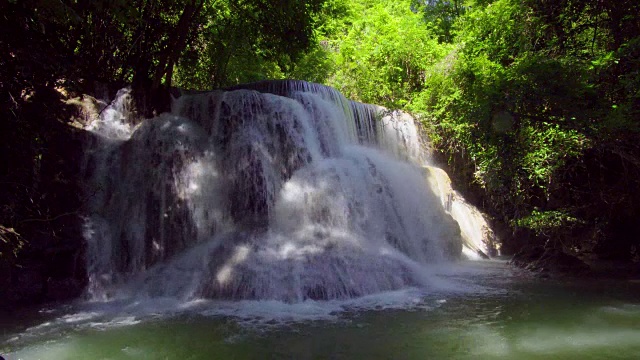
549, 261
478, 239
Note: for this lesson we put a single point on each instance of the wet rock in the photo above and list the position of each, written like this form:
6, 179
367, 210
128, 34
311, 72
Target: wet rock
450, 231
527, 256
545, 261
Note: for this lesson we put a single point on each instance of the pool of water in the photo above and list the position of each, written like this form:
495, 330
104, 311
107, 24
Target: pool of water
495, 313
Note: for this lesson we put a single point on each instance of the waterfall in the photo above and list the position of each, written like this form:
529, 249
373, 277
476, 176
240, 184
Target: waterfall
280, 190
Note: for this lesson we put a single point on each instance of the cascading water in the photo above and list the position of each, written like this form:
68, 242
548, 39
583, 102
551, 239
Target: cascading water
276, 190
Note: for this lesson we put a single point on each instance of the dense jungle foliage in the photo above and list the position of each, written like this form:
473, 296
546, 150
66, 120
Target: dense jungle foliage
533, 105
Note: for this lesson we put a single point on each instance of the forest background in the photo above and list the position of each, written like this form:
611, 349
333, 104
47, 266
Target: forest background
532, 106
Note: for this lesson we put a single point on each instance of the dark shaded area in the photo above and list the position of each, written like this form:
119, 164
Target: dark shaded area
41, 201
53, 50
549, 261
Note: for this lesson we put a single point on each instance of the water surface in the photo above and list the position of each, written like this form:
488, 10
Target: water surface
495, 313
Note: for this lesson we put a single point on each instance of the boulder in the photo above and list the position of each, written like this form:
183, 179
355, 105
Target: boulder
549, 260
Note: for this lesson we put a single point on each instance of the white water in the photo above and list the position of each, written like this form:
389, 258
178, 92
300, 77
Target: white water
288, 194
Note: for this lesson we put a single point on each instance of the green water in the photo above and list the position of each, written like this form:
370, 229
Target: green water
517, 318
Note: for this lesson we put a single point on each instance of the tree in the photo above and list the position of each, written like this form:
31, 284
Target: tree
534, 104
440, 15
247, 41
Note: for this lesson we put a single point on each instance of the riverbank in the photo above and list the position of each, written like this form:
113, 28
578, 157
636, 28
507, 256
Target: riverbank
547, 263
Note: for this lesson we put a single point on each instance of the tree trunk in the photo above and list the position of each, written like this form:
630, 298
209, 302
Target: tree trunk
176, 43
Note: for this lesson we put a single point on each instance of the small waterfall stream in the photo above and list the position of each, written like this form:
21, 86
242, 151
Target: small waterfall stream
279, 190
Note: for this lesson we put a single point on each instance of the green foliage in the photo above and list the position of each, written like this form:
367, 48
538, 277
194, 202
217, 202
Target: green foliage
534, 103
381, 53
206, 42
315, 65
242, 41
548, 148
547, 222
440, 15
